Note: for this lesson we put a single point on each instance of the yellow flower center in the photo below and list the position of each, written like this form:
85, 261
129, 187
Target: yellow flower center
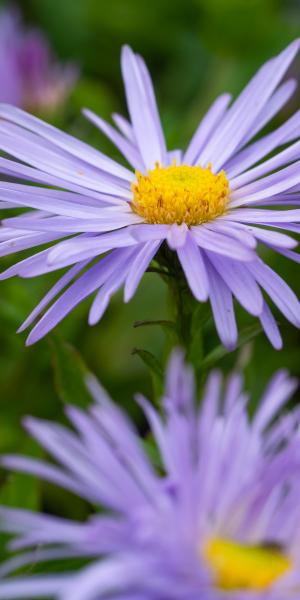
236, 566
180, 194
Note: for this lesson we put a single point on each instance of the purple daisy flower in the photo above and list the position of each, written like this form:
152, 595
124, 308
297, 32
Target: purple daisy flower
211, 204
29, 76
218, 514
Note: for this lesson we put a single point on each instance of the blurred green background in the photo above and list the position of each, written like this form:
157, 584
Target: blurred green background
195, 50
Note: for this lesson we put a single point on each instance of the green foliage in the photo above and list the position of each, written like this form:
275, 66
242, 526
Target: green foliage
69, 374
155, 369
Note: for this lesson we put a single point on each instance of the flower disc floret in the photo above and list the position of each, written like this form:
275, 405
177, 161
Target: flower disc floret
242, 566
180, 194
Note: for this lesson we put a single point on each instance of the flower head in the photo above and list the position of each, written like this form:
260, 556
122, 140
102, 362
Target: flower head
214, 204
218, 512
29, 76
180, 195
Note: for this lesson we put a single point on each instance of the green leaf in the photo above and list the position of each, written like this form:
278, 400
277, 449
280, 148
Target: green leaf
155, 369
22, 489
70, 373
150, 361
247, 334
168, 327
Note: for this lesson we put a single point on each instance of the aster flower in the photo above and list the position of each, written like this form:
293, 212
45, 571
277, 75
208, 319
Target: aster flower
29, 76
220, 514
214, 204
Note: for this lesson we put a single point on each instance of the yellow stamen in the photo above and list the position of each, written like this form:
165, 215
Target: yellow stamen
180, 194
236, 566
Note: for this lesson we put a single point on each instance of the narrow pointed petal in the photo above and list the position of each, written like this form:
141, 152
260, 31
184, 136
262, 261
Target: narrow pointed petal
222, 307
270, 327
138, 268
278, 290
193, 265
143, 111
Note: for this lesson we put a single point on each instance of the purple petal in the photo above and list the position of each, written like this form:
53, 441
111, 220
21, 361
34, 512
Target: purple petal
125, 127
34, 586
270, 327
289, 254
222, 307
32, 152
280, 389
241, 283
278, 290
24, 242
82, 288
126, 148
68, 225
61, 140
143, 110
177, 235
54, 291
280, 97
44, 200
82, 247
205, 128
238, 231
16, 169
273, 238
243, 113
290, 130
111, 285
271, 185
138, 268
191, 260
146, 232
261, 216
221, 244
290, 154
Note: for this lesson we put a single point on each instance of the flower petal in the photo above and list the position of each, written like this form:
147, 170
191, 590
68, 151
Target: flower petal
205, 128
221, 244
143, 110
191, 260
83, 287
243, 113
138, 268
68, 144
241, 283
278, 290
222, 307
270, 327
126, 148
176, 235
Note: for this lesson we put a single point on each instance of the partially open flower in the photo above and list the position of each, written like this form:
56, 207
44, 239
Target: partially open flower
217, 517
30, 77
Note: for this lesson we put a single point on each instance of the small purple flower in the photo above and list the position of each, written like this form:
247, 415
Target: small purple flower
220, 513
29, 76
212, 204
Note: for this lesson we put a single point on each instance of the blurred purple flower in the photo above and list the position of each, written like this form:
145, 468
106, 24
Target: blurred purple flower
219, 513
212, 206
29, 76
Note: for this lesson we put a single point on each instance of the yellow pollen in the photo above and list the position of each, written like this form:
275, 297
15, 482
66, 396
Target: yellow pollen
180, 194
236, 566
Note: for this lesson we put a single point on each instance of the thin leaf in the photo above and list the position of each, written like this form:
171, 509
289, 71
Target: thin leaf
154, 367
70, 372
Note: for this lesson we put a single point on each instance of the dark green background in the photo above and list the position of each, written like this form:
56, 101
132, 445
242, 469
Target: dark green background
195, 50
